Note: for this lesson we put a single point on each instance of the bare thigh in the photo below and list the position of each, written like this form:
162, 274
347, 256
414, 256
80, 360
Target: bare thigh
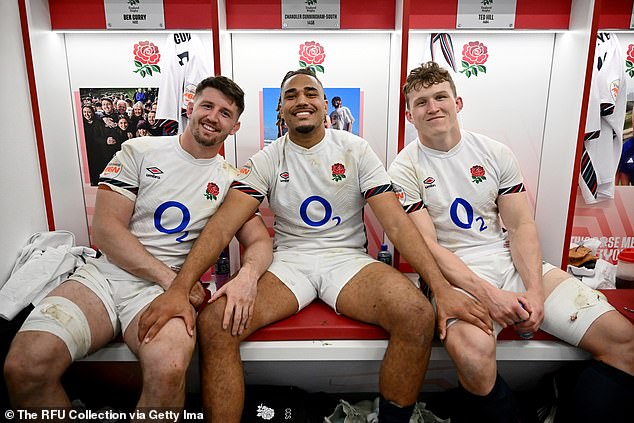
378, 292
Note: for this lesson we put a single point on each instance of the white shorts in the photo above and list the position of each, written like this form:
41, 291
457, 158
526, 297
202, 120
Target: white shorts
123, 294
568, 311
318, 274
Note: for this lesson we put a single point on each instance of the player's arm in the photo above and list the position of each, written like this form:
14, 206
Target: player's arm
503, 306
407, 239
111, 234
235, 210
526, 253
242, 289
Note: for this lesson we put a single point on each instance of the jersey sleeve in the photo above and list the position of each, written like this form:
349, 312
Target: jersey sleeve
511, 180
255, 176
373, 178
402, 172
122, 172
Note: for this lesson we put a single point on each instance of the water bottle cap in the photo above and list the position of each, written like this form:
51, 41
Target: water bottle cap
383, 247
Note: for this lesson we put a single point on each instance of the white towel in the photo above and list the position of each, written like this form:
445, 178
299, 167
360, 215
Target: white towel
44, 263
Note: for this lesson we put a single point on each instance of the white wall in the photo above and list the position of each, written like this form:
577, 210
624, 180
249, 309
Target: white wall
23, 210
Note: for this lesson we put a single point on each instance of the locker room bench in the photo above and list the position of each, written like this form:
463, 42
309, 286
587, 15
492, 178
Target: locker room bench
317, 349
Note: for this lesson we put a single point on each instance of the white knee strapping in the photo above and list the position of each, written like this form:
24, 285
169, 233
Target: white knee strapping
64, 319
571, 308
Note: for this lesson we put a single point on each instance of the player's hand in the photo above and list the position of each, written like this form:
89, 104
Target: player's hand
533, 302
505, 307
240, 292
110, 141
451, 303
170, 304
197, 294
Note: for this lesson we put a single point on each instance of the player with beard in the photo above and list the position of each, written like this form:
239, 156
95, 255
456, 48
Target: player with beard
154, 198
317, 182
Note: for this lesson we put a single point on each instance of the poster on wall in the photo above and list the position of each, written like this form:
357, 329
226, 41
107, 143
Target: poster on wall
107, 117
344, 112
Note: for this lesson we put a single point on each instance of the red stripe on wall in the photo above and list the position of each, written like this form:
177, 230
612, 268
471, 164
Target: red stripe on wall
580, 135
37, 122
529, 14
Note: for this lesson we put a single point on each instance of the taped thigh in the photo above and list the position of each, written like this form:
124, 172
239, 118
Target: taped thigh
63, 318
571, 308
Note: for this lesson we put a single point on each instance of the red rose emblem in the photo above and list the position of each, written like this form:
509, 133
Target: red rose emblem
146, 58
312, 52
475, 53
630, 52
477, 171
212, 191
312, 55
338, 172
338, 169
477, 174
146, 53
629, 62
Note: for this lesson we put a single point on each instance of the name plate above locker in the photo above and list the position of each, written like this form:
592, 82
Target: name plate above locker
134, 14
486, 14
310, 14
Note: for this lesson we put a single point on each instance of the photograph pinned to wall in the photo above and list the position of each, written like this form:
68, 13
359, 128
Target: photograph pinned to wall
346, 114
106, 118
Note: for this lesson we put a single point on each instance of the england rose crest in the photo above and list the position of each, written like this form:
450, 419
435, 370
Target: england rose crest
146, 58
311, 56
212, 191
474, 56
338, 172
477, 174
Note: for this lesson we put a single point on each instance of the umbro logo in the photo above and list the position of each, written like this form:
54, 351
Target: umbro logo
429, 182
153, 172
284, 177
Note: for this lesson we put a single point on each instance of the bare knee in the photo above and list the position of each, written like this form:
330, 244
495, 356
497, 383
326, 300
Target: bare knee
168, 356
474, 356
210, 329
27, 369
412, 318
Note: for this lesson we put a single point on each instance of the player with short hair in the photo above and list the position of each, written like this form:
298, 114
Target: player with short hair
317, 182
456, 185
154, 198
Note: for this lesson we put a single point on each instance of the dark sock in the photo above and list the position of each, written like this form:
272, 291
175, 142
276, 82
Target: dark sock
604, 393
389, 412
498, 406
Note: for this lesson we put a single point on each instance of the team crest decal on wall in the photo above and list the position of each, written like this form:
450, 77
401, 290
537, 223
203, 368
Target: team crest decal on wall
338, 172
474, 56
212, 191
311, 56
629, 62
477, 174
146, 58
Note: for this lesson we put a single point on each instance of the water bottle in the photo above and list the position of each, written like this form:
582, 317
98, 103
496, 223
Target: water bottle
525, 335
384, 255
222, 268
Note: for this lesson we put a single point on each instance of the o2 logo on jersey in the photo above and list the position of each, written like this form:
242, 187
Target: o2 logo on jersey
327, 211
465, 219
186, 217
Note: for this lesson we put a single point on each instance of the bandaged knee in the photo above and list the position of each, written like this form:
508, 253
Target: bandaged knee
571, 308
63, 318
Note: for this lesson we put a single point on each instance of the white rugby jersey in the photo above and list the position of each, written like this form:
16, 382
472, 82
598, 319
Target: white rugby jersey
174, 194
317, 194
604, 123
459, 188
184, 63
